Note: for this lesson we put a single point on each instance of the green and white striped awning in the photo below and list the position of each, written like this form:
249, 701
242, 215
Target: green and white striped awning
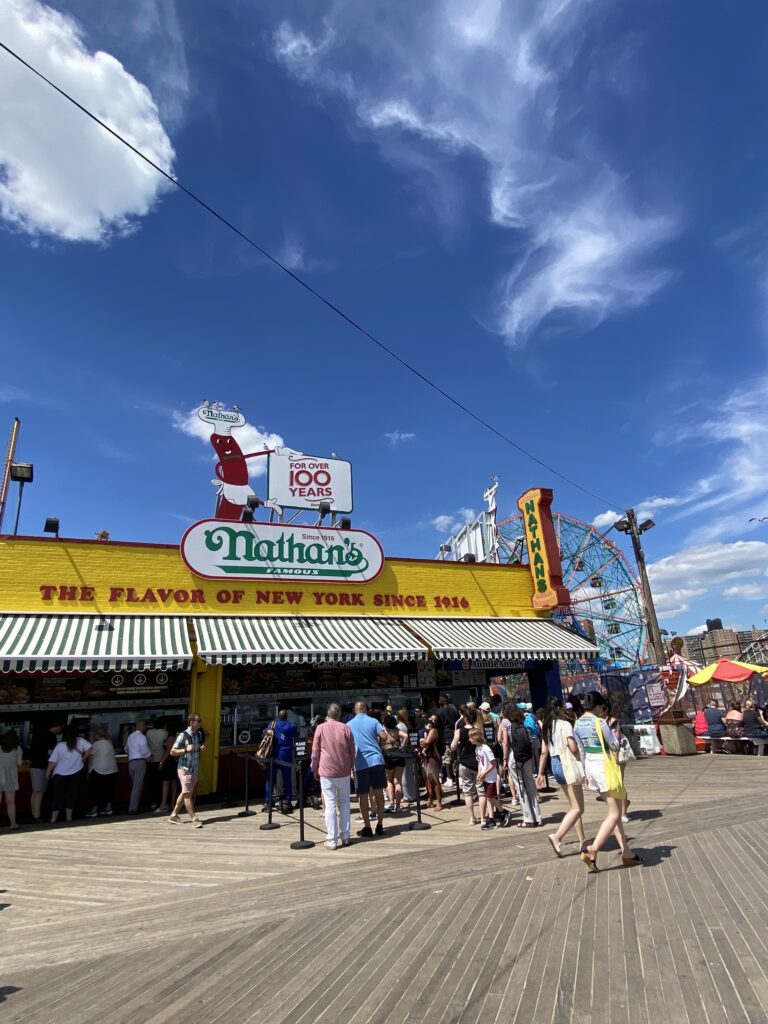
474, 639
241, 640
93, 643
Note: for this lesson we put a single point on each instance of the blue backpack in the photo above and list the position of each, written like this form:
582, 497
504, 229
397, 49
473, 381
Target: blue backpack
532, 726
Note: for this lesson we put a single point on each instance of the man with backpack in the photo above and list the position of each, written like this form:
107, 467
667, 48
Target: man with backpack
187, 750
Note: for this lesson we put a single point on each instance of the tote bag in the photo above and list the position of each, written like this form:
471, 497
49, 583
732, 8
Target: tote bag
613, 778
571, 765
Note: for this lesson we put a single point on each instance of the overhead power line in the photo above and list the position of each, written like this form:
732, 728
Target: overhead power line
306, 285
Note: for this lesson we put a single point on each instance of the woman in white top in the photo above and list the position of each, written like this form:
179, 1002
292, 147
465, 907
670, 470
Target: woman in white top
558, 743
65, 765
409, 776
102, 774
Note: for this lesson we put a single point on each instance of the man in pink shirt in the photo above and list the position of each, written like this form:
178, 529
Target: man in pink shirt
333, 758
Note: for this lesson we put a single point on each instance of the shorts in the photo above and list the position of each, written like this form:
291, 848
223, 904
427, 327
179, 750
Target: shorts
187, 781
39, 779
373, 777
557, 770
468, 780
490, 789
594, 773
448, 755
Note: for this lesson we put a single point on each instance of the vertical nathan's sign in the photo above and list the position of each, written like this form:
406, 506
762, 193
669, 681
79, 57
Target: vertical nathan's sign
543, 552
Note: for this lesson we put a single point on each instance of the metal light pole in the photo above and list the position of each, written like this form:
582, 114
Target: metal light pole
629, 525
22, 473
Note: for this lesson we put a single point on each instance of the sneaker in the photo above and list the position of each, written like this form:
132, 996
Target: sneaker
365, 833
624, 818
331, 845
161, 810
106, 814
389, 809
379, 829
359, 818
175, 819
507, 821
488, 826
346, 842
197, 823
92, 814
449, 784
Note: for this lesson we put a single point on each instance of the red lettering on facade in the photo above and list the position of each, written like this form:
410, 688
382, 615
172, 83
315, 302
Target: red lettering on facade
115, 593
48, 592
67, 593
293, 596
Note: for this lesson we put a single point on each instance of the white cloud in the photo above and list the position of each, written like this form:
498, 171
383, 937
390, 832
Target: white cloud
704, 570
487, 79
746, 591
250, 438
454, 522
605, 519
697, 630
398, 436
62, 175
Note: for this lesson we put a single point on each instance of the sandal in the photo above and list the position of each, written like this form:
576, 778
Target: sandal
527, 824
585, 846
590, 859
438, 807
475, 821
629, 861
556, 846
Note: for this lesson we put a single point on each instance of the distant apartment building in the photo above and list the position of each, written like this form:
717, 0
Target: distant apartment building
704, 648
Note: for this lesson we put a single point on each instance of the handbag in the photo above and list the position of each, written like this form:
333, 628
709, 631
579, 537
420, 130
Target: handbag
266, 747
626, 753
613, 778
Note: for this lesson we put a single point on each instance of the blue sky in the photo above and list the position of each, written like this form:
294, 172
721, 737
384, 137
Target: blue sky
554, 209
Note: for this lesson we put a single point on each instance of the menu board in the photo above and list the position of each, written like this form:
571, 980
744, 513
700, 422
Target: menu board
62, 689
246, 680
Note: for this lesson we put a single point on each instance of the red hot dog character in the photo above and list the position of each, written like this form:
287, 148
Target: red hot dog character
232, 467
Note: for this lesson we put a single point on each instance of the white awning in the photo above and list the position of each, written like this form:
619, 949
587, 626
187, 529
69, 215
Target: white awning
473, 639
93, 643
242, 640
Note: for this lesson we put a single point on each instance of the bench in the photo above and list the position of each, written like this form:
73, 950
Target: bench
757, 742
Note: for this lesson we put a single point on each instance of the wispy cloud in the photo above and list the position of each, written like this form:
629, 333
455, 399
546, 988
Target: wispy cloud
445, 77
734, 570
397, 437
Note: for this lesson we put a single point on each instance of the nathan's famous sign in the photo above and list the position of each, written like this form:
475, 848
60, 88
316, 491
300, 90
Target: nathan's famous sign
257, 551
241, 549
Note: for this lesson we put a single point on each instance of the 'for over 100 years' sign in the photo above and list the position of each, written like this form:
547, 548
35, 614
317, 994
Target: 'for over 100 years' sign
265, 551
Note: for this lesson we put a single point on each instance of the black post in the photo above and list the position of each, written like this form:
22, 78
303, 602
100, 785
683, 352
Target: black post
246, 812
414, 742
269, 824
302, 843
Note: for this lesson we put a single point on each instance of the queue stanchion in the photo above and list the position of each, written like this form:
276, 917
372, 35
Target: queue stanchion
418, 824
300, 754
246, 812
269, 825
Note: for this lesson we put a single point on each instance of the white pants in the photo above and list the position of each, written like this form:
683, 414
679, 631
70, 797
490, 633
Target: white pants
336, 798
137, 768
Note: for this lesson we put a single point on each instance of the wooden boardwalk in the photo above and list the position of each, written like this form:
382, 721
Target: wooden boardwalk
135, 920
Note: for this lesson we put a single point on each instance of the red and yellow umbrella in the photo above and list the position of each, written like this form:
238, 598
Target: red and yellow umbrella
726, 671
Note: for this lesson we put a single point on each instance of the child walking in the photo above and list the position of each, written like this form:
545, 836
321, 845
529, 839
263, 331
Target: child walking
487, 775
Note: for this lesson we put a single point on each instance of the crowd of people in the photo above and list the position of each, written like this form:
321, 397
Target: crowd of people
487, 753
163, 764
737, 723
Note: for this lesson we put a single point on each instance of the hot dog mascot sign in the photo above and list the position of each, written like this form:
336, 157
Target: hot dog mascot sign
253, 550
294, 480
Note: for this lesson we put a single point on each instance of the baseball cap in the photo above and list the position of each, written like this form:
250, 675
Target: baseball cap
485, 706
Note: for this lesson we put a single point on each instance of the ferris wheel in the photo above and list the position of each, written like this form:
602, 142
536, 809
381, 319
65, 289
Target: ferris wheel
606, 599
